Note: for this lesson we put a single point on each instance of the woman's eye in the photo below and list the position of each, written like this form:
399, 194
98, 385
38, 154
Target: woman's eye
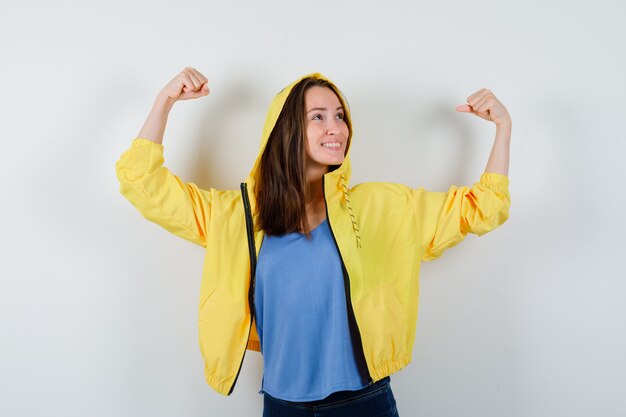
317, 117
340, 116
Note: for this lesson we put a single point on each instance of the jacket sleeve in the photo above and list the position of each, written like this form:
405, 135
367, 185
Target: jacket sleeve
445, 218
160, 196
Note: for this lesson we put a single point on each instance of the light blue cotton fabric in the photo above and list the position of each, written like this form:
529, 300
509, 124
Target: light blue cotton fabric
302, 318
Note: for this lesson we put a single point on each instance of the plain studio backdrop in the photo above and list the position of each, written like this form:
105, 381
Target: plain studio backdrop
98, 306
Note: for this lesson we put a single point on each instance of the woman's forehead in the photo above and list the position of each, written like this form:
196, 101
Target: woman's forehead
321, 97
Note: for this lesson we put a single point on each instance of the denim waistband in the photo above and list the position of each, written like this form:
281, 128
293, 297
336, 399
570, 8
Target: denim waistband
343, 395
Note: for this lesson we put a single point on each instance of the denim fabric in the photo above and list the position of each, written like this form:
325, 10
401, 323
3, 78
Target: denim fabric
373, 401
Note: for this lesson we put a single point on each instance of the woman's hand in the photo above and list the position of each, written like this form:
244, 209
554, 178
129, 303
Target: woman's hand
186, 85
485, 105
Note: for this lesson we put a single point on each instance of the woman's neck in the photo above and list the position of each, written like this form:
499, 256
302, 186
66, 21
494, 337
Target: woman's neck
315, 202
314, 182
314, 190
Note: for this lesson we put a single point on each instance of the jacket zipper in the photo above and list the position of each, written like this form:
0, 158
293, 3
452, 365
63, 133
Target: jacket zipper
252, 252
346, 279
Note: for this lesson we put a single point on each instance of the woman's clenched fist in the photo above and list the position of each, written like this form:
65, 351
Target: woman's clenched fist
186, 85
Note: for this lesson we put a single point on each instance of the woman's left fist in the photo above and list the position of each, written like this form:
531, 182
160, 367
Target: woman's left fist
485, 105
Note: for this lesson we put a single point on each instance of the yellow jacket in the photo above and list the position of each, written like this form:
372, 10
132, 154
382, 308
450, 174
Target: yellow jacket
382, 230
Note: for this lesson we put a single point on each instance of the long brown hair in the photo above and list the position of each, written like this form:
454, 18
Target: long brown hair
281, 187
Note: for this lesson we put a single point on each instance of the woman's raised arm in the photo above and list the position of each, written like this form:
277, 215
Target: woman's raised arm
160, 196
446, 218
484, 104
187, 85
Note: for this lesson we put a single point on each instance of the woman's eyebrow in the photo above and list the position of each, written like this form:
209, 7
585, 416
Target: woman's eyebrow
323, 109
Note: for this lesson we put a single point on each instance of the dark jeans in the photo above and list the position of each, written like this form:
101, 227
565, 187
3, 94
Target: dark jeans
372, 401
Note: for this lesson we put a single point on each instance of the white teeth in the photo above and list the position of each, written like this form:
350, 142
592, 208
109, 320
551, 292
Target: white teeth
333, 145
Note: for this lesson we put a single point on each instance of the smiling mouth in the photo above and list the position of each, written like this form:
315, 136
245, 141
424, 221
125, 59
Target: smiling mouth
332, 145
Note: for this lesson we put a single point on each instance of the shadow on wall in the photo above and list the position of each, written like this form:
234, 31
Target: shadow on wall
229, 131
439, 122
424, 144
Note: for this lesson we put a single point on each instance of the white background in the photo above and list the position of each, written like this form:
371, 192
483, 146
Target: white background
98, 306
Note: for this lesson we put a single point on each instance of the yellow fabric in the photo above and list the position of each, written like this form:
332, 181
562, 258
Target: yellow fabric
383, 231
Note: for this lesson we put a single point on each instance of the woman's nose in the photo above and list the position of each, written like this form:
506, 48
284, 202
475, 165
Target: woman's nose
332, 127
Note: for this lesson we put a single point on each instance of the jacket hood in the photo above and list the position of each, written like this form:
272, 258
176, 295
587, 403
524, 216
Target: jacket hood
274, 111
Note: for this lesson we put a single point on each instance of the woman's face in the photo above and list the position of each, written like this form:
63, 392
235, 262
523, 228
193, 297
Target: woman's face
326, 130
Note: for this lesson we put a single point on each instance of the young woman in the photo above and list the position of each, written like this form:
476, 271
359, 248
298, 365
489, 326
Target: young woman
319, 276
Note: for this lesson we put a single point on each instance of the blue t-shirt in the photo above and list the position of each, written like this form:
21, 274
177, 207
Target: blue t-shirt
302, 319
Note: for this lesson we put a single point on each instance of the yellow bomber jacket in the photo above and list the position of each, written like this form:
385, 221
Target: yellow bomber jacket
382, 231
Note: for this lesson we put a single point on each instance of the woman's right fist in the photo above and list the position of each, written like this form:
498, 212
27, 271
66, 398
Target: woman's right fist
186, 85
